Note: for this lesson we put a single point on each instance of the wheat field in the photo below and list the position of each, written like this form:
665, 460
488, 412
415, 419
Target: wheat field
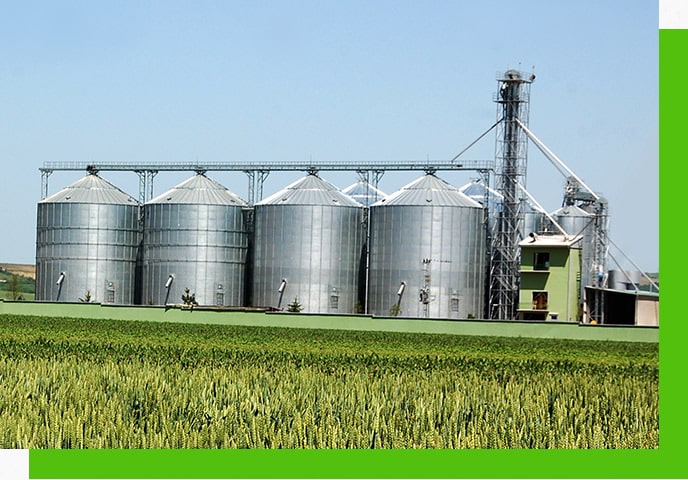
114, 384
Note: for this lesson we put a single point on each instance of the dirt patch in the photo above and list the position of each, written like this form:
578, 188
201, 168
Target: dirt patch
18, 269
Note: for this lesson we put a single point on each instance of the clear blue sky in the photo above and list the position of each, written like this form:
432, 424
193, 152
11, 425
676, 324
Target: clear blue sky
365, 80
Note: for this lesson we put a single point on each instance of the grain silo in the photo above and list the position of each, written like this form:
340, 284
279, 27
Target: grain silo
576, 221
364, 193
195, 237
624, 279
87, 241
308, 245
533, 220
427, 253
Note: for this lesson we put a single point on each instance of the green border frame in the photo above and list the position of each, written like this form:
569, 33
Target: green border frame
348, 464
666, 462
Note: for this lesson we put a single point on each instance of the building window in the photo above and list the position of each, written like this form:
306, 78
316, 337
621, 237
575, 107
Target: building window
541, 261
540, 301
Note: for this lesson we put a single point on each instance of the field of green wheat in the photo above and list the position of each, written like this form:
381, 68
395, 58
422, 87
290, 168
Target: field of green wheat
70, 383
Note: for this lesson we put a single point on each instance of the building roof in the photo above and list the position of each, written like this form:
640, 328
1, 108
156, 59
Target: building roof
91, 189
310, 190
199, 190
429, 190
551, 241
637, 293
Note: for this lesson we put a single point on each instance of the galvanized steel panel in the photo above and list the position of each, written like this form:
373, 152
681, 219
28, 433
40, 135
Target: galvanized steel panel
91, 189
364, 193
429, 189
623, 279
533, 220
199, 190
95, 245
450, 235
576, 221
203, 247
310, 190
316, 248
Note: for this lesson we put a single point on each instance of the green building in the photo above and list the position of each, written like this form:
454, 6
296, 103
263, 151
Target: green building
550, 278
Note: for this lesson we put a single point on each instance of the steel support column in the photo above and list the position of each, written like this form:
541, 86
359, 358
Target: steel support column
146, 184
44, 182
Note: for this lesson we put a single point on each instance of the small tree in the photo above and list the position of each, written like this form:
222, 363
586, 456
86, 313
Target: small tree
86, 298
14, 287
188, 298
394, 310
295, 306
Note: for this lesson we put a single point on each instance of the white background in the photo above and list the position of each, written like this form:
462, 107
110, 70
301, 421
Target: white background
673, 14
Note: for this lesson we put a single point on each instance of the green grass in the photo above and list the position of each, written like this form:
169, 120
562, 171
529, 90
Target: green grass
115, 384
7, 295
25, 287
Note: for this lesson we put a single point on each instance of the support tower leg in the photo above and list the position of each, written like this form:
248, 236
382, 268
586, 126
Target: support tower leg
511, 160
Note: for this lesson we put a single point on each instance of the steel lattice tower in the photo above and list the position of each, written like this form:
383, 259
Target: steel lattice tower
513, 97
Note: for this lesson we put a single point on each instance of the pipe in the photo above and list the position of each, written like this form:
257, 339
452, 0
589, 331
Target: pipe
476, 140
634, 264
281, 289
551, 156
542, 210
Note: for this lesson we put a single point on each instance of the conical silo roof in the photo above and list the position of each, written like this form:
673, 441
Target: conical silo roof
573, 219
310, 190
91, 189
570, 210
199, 190
477, 191
429, 190
364, 192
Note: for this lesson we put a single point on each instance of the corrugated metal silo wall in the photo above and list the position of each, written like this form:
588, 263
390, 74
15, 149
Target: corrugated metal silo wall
316, 248
532, 222
94, 244
452, 237
576, 221
203, 246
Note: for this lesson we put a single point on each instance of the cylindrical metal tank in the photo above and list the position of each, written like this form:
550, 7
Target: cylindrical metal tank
476, 190
573, 219
624, 280
533, 220
88, 236
427, 253
195, 237
576, 221
308, 245
364, 193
